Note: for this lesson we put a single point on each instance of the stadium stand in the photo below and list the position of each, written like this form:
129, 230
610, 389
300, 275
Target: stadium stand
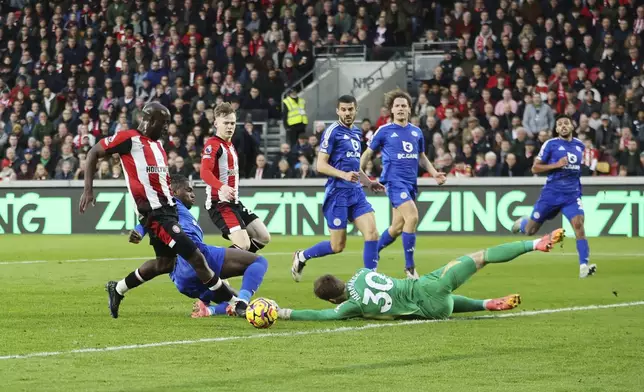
73, 72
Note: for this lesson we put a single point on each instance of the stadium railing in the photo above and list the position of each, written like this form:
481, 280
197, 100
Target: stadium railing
426, 56
346, 52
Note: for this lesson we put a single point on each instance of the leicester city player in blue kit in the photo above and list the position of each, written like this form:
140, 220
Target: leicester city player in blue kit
226, 262
561, 158
403, 149
344, 198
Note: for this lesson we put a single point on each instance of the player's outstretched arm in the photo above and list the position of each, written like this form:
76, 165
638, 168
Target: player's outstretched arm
365, 158
426, 164
323, 167
93, 155
344, 311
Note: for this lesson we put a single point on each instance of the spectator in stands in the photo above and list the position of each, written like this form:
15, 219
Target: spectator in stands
629, 160
295, 118
512, 167
460, 168
285, 154
283, 170
67, 155
180, 167
304, 171
43, 127
491, 168
65, 172
538, 116
260, 170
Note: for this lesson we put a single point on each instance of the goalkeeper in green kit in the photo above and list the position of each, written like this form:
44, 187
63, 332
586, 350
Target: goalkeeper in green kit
372, 295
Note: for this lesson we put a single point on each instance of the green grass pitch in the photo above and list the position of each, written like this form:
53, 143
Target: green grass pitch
57, 304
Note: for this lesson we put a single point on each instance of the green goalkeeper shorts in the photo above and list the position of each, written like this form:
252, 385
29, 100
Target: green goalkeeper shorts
434, 290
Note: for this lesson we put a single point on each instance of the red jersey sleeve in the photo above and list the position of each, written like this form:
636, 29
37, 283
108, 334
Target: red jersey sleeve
120, 143
211, 152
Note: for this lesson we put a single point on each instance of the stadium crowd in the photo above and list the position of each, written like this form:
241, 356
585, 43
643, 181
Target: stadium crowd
73, 72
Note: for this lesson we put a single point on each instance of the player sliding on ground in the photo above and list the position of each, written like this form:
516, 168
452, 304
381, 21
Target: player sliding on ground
344, 199
225, 262
376, 296
561, 158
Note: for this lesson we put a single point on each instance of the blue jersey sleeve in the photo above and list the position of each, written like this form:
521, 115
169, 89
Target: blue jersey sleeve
140, 229
326, 145
421, 142
545, 152
377, 140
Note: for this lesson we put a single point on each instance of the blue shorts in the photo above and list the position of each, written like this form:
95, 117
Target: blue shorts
185, 277
549, 206
342, 205
400, 192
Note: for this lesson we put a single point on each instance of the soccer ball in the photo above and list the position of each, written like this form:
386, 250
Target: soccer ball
261, 313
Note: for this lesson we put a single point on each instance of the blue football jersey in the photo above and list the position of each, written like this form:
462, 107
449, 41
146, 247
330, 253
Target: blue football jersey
400, 148
344, 149
564, 180
187, 222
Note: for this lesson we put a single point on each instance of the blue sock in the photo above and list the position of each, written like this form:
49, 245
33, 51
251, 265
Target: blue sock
253, 277
320, 249
385, 240
524, 222
218, 309
370, 254
409, 244
583, 250
245, 295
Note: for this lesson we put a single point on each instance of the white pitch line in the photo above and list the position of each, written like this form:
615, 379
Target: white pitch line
436, 251
315, 331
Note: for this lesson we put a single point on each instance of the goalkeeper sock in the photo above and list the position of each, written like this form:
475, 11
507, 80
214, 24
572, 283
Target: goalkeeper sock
506, 252
409, 245
218, 309
385, 240
524, 222
131, 281
320, 249
464, 304
583, 250
253, 277
370, 255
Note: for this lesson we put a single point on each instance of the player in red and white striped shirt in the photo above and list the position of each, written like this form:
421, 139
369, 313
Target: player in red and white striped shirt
145, 165
220, 172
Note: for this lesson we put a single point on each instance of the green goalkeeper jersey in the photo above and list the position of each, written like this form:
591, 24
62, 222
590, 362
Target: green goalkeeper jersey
371, 295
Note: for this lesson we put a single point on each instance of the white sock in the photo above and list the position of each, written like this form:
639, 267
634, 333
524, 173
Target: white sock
534, 243
121, 287
300, 257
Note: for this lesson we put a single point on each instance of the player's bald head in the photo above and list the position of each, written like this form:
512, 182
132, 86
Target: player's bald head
329, 288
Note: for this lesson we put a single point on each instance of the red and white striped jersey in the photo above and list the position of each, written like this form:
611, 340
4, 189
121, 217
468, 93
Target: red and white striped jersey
145, 165
219, 166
